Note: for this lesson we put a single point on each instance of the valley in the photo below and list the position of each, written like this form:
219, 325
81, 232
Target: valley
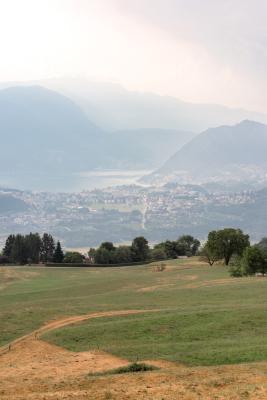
119, 213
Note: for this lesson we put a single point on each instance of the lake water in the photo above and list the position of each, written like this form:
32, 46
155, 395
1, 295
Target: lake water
73, 183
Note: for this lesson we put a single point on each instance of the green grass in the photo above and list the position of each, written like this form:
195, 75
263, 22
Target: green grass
203, 320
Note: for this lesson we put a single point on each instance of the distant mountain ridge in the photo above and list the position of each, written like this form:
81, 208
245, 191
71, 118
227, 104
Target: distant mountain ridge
239, 149
46, 137
46, 128
142, 148
11, 204
113, 108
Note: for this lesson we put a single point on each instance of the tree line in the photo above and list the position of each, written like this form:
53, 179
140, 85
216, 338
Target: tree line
140, 251
35, 249
229, 245
31, 249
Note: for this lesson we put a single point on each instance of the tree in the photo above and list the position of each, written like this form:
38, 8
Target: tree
73, 257
4, 259
47, 248
122, 255
105, 254
19, 253
33, 244
207, 255
92, 254
168, 247
253, 261
109, 246
158, 254
140, 249
58, 254
235, 266
187, 245
102, 256
226, 242
8, 246
262, 245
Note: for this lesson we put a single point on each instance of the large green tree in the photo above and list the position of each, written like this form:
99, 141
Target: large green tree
8, 246
33, 243
58, 254
187, 245
253, 261
47, 248
140, 249
73, 257
123, 254
226, 242
208, 255
19, 253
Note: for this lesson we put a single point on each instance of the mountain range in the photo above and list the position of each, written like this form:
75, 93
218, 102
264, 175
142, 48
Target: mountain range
48, 137
226, 152
113, 107
45, 136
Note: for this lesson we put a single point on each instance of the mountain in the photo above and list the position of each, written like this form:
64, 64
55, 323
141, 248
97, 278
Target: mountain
113, 108
226, 152
145, 148
9, 203
47, 141
43, 131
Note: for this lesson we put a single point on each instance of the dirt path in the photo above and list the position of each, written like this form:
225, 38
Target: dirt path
60, 323
36, 370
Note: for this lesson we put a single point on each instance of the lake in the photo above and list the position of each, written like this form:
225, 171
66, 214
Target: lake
88, 180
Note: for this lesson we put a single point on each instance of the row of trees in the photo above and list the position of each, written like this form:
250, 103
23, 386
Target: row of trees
31, 248
230, 245
139, 251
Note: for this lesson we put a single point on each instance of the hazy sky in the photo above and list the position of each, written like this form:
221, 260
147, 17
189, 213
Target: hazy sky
197, 50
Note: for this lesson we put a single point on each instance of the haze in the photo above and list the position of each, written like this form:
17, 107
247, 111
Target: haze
208, 51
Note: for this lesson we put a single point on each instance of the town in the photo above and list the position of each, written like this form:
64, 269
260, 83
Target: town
85, 219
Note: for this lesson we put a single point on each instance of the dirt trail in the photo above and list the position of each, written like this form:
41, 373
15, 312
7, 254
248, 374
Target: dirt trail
36, 370
60, 323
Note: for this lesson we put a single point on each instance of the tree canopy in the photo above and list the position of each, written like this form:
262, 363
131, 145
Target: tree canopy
226, 242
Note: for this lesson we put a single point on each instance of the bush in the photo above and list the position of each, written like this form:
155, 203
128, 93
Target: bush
253, 261
134, 367
235, 267
131, 368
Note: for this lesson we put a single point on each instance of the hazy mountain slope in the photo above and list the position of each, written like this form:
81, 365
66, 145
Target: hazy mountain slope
9, 203
146, 148
112, 108
43, 130
215, 150
47, 140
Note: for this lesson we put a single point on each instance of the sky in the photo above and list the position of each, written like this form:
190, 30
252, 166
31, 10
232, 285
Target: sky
208, 51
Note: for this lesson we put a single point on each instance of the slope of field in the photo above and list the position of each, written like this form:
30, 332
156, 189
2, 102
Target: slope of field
181, 319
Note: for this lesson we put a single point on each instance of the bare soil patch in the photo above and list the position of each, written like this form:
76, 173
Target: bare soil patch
34, 369
8, 276
219, 282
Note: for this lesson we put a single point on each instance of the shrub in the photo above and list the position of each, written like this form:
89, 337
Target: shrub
235, 267
131, 368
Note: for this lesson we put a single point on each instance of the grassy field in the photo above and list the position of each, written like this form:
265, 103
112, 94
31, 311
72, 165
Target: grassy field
204, 317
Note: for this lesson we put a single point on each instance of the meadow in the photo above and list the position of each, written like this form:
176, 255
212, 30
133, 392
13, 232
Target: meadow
196, 314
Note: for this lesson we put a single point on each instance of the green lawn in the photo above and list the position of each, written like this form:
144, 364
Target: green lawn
205, 316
